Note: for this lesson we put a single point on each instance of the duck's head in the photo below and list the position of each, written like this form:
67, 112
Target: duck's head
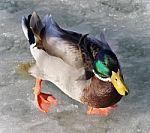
107, 68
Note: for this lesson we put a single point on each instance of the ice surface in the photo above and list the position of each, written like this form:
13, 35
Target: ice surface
127, 25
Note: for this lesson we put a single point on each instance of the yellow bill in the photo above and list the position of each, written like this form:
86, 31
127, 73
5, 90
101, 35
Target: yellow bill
119, 83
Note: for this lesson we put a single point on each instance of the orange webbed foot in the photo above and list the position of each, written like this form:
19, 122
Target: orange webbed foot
100, 111
43, 100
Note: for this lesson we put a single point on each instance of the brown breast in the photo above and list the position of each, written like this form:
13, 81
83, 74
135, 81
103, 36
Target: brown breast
100, 94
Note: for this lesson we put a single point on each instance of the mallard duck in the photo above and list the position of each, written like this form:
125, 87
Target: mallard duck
83, 67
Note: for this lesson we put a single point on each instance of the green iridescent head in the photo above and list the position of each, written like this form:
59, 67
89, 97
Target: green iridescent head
107, 68
105, 62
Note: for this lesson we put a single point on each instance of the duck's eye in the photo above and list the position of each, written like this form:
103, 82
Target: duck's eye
115, 79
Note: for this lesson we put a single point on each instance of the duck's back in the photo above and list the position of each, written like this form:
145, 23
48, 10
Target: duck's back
57, 41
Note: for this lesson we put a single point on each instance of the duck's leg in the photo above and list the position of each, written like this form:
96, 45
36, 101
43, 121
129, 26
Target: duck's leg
43, 100
100, 111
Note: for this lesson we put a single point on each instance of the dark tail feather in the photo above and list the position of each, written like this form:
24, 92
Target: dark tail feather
36, 25
27, 30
